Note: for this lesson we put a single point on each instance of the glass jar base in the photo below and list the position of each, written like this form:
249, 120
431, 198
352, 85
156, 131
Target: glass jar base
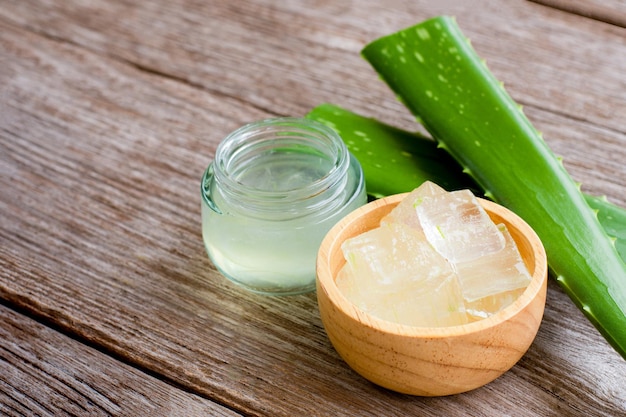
272, 291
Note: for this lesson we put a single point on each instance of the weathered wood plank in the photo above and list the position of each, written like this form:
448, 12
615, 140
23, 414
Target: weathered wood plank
287, 57
613, 12
99, 204
45, 373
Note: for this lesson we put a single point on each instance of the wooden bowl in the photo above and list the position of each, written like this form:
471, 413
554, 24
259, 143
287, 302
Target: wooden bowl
429, 361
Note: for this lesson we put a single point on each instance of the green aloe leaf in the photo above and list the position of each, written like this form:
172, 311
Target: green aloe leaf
376, 144
436, 73
393, 160
613, 220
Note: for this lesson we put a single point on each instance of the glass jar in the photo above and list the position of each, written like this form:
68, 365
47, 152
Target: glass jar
273, 191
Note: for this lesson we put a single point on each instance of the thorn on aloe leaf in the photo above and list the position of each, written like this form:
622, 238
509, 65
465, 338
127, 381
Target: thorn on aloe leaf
489, 195
560, 161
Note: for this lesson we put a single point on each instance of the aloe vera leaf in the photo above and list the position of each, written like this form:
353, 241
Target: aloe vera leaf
387, 140
436, 73
613, 220
393, 160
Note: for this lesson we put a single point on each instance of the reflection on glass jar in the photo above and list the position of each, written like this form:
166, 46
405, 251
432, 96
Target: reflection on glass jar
273, 191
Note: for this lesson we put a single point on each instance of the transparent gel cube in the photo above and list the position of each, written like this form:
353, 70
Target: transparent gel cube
458, 227
494, 273
490, 305
393, 273
405, 213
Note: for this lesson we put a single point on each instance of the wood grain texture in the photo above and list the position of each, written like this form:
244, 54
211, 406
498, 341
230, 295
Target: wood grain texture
286, 57
613, 12
45, 373
111, 110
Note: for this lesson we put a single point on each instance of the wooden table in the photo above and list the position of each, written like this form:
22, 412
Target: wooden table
110, 110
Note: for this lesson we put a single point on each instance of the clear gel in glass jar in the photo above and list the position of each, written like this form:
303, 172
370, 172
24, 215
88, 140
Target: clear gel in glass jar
273, 191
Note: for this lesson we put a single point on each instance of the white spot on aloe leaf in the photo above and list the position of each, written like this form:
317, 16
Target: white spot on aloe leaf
423, 33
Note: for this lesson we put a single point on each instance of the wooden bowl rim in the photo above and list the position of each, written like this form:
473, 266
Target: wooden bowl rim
327, 282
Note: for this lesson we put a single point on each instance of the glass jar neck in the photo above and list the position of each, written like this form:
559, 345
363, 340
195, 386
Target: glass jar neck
282, 168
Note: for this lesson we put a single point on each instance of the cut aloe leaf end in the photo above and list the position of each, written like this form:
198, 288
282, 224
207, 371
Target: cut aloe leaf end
433, 69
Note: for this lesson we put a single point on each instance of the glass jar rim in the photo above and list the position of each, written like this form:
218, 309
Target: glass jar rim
270, 134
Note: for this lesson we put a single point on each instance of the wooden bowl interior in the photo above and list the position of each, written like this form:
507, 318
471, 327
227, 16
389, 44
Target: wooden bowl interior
331, 259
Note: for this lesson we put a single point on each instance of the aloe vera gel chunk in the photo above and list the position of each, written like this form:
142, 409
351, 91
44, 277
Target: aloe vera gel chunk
444, 266
433, 69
